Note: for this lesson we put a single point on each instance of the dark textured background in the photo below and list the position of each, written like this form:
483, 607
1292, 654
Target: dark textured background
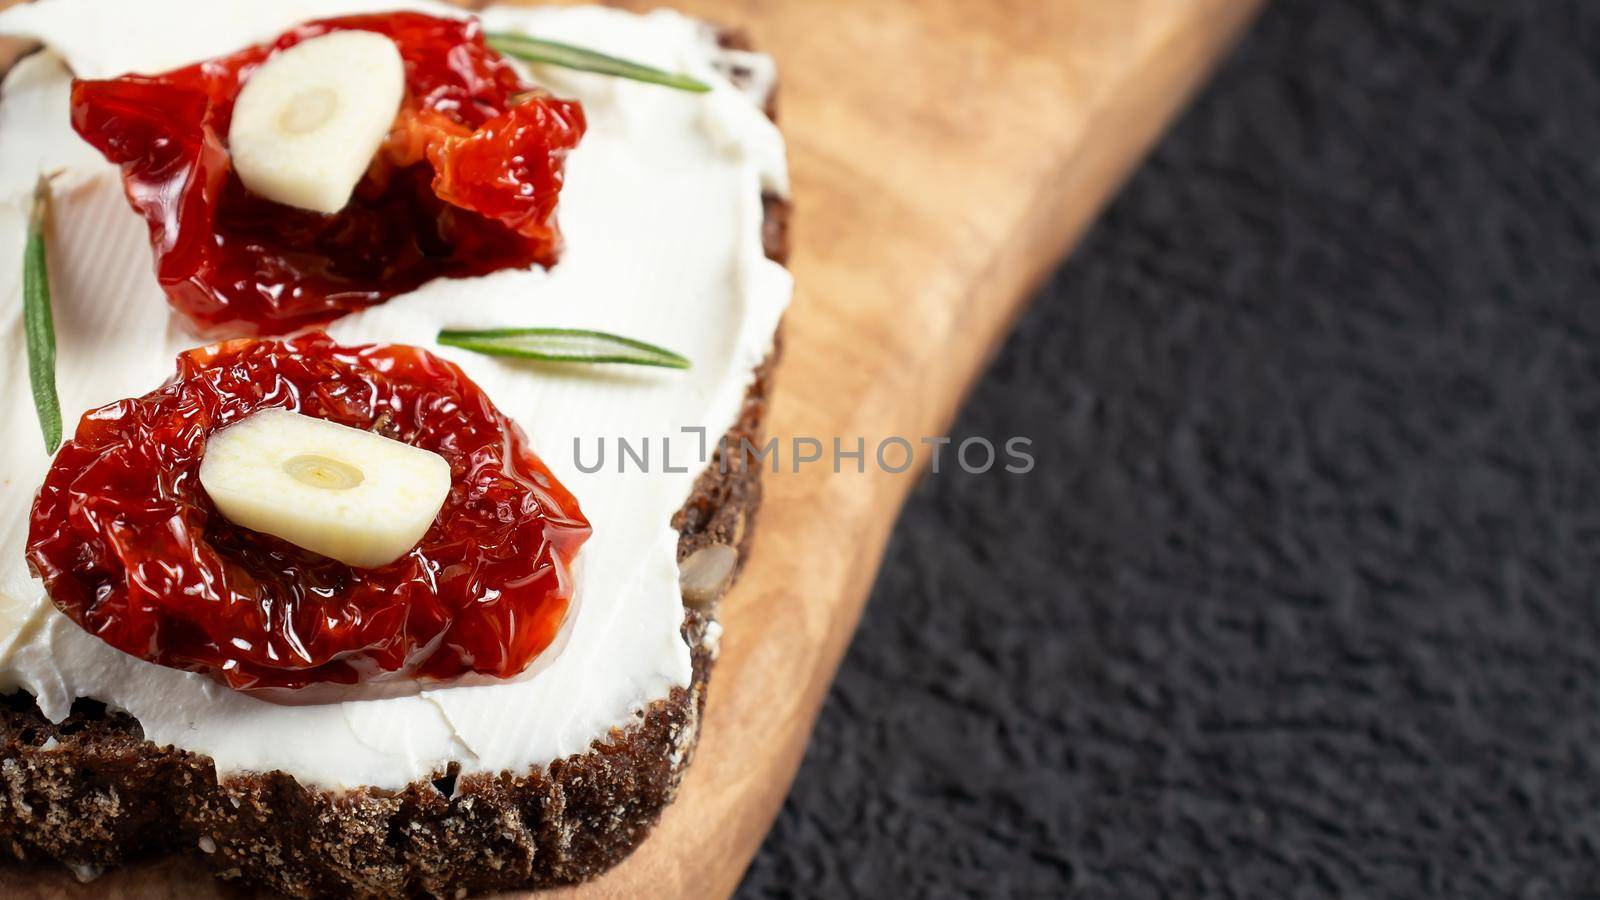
1301, 599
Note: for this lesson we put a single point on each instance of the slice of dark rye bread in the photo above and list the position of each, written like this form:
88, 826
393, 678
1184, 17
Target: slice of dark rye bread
91, 792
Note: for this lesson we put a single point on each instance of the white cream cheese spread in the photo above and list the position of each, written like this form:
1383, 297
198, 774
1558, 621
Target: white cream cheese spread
662, 214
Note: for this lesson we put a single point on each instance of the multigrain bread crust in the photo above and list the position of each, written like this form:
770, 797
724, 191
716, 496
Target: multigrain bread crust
91, 792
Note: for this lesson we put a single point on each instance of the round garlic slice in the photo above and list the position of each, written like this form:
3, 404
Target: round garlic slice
309, 120
347, 494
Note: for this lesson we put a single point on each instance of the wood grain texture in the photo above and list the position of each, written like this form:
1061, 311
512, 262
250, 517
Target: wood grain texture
945, 155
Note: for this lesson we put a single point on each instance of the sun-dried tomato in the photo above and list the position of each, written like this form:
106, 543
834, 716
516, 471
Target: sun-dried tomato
130, 547
466, 183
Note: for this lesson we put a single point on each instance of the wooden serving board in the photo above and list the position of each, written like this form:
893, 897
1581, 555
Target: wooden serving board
946, 154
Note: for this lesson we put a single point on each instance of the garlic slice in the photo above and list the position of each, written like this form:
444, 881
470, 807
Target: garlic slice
344, 493
309, 120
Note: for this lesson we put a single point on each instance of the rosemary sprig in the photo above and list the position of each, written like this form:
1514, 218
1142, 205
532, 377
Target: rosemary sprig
563, 345
38, 322
567, 56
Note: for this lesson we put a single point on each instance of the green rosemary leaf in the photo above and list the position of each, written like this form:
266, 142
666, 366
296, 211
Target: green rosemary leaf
554, 53
38, 323
563, 345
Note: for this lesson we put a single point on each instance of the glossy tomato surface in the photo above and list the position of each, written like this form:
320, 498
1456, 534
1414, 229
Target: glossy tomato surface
130, 547
466, 183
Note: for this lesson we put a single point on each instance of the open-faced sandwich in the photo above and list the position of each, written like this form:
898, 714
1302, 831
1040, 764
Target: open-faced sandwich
335, 577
